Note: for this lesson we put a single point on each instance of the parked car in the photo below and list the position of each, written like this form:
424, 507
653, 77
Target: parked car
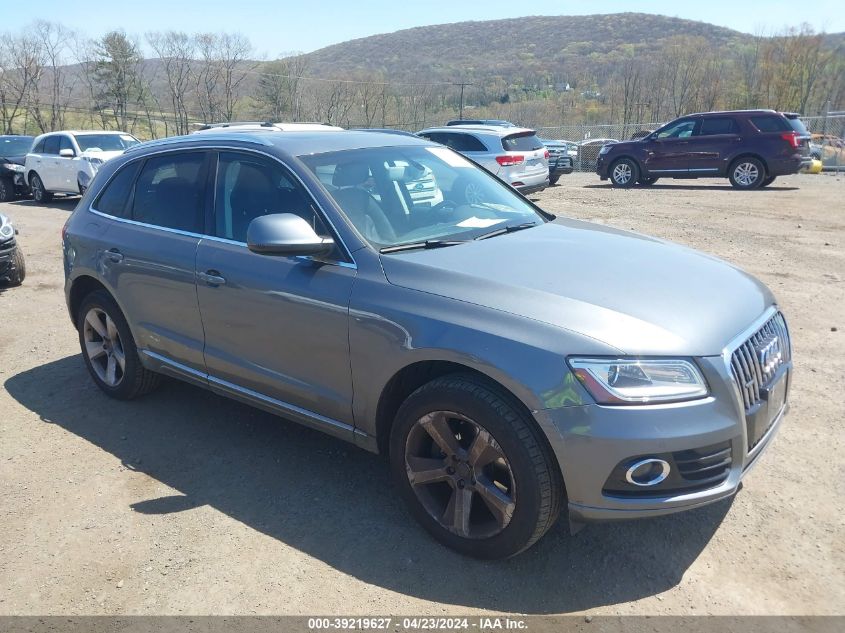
513, 154
749, 147
496, 122
560, 159
502, 390
13, 151
588, 151
12, 263
66, 162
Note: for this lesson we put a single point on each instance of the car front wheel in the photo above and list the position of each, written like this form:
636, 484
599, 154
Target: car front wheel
624, 173
109, 349
747, 173
473, 469
7, 190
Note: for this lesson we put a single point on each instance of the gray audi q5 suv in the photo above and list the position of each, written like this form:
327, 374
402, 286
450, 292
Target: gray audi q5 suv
508, 365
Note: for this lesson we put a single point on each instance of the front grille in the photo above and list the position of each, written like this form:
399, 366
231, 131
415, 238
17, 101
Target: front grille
757, 360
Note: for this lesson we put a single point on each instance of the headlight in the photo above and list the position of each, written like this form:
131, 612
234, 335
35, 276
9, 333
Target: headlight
6, 229
604, 149
638, 381
12, 166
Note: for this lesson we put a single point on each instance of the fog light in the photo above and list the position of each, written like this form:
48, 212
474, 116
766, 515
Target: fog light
647, 472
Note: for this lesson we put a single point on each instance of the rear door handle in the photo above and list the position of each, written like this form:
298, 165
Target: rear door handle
212, 278
114, 255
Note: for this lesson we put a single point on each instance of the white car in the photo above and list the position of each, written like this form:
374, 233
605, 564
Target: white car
513, 154
66, 161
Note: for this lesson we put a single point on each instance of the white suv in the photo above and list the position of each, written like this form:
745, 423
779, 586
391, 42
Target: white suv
513, 154
66, 161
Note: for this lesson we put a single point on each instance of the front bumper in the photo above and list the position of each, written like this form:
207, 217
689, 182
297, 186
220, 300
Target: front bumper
591, 441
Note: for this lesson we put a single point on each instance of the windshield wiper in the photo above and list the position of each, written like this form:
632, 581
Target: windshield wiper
415, 245
506, 229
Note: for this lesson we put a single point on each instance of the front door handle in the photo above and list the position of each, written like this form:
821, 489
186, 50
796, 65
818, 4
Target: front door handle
114, 255
212, 278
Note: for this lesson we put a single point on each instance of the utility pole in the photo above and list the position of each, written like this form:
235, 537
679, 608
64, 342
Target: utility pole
462, 84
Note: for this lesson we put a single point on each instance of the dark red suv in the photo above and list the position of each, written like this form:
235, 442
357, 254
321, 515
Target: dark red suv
749, 147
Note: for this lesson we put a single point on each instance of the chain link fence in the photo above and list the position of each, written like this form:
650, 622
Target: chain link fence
828, 142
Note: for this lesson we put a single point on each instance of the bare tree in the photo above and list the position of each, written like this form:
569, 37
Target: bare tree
233, 55
49, 113
175, 50
21, 69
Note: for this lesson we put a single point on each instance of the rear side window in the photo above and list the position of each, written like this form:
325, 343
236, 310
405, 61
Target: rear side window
170, 191
114, 198
524, 142
718, 125
460, 142
51, 145
770, 123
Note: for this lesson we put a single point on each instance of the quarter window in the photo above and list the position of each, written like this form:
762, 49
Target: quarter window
770, 124
249, 186
169, 192
718, 125
115, 197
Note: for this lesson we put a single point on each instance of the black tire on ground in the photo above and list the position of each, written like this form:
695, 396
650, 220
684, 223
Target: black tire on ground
624, 173
747, 172
39, 194
18, 272
135, 379
645, 182
536, 485
7, 190
553, 180
768, 181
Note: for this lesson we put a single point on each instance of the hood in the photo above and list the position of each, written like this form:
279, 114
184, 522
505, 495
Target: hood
104, 156
626, 145
637, 294
18, 160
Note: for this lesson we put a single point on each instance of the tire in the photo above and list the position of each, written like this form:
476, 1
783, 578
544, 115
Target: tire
768, 181
18, 272
747, 172
133, 379
7, 190
553, 180
39, 194
647, 182
624, 173
530, 489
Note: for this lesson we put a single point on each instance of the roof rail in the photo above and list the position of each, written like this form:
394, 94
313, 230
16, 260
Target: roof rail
258, 139
209, 126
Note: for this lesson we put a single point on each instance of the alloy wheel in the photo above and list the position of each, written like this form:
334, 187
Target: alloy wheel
104, 347
460, 475
746, 174
37, 189
622, 173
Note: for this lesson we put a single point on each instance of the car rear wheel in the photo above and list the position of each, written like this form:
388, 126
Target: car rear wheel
473, 469
39, 194
7, 190
768, 181
553, 180
624, 173
109, 349
747, 173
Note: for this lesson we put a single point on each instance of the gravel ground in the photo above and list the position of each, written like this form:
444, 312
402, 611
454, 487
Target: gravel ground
184, 502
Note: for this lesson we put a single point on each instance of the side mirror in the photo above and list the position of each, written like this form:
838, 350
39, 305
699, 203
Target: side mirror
67, 153
285, 234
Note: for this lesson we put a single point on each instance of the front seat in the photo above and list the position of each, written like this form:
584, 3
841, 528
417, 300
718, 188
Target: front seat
359, 205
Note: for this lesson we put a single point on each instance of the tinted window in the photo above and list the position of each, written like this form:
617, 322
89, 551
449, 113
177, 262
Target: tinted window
64, 143
115, 197
105, 142
39, 147
250, 186
770, 123
51, 145
169, 192
680, 129
521, 143
458, 142
718, 125
798, 125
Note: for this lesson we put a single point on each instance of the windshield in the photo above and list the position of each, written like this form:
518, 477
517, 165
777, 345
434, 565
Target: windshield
15, 146
402, 195
105, 142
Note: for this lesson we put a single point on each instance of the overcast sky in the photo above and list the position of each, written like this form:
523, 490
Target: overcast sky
276, 27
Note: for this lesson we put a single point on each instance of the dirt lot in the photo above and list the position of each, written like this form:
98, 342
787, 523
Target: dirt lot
184, 502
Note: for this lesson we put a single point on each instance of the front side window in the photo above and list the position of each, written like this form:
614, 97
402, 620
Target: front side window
114, 199
409, 194
718, 125
680, 129
65, 143
249, 186
105, 142
170, 191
